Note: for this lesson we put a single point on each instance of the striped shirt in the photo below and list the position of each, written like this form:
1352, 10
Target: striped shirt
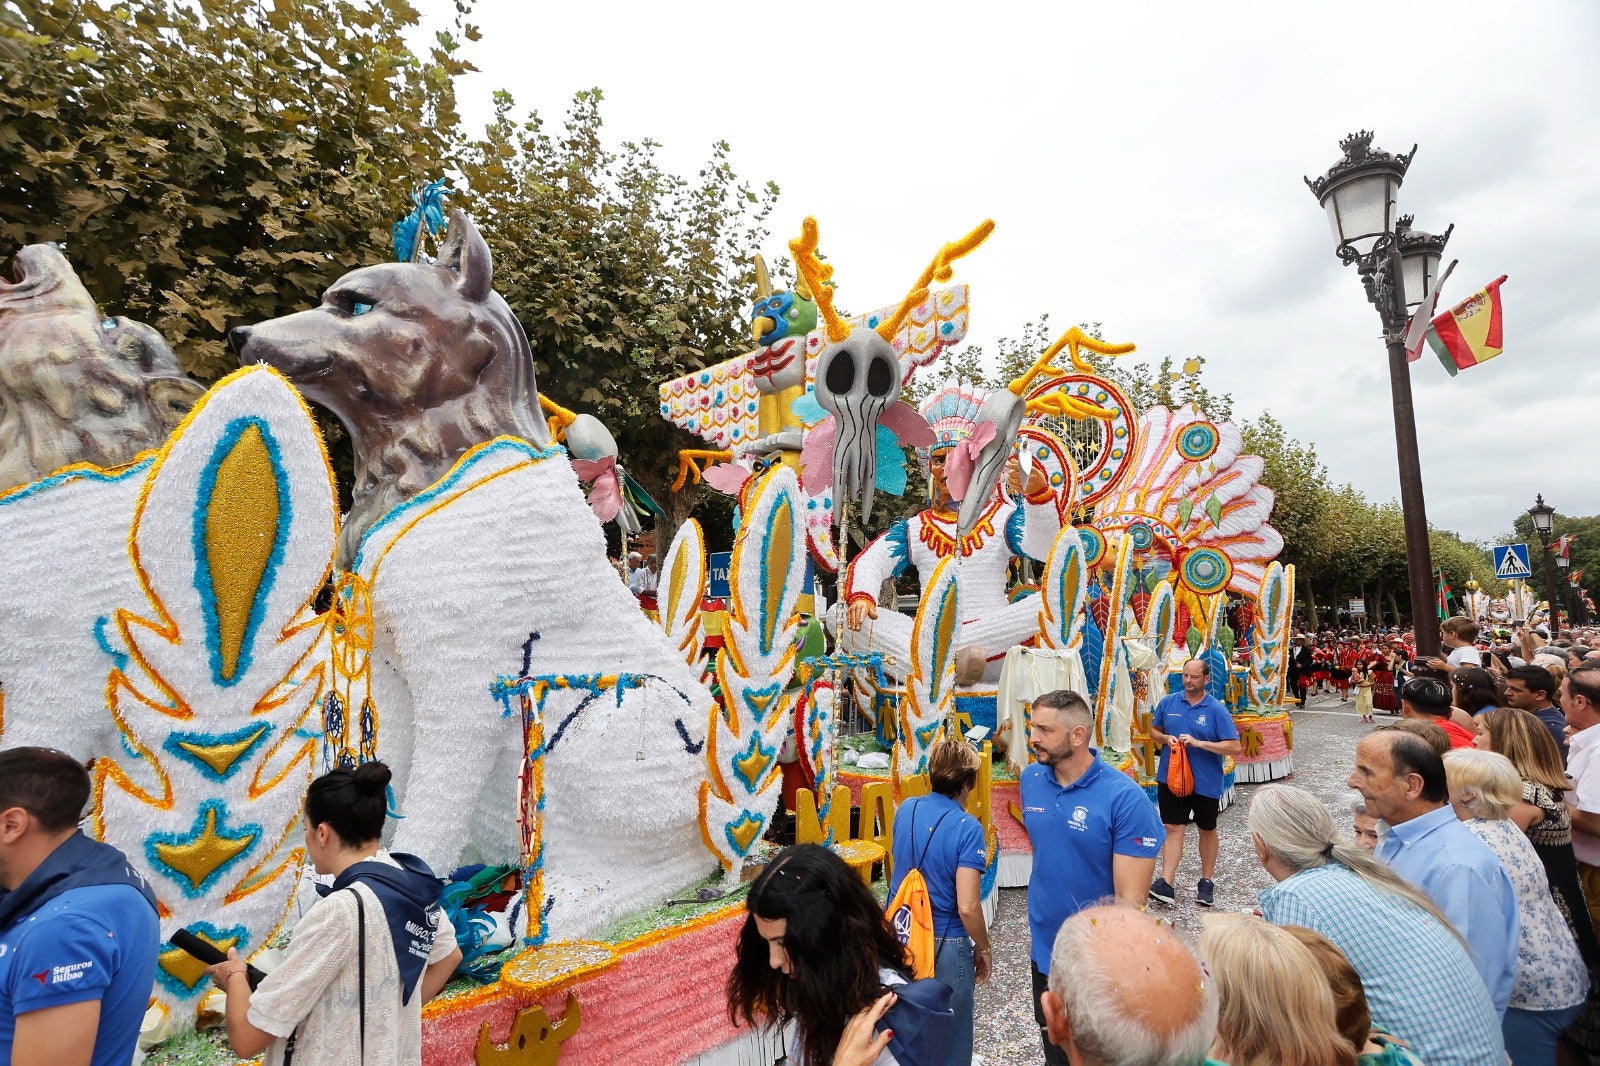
1421, 984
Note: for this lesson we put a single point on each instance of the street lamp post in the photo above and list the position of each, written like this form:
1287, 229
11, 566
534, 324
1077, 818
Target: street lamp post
1544, 523
1397, 264
1562, 562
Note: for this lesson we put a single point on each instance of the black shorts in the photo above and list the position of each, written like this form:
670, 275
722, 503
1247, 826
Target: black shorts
1176, 810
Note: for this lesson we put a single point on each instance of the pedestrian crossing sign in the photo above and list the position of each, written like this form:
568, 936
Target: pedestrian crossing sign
1511, 561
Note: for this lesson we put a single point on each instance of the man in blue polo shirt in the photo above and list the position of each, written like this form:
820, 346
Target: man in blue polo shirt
1094, 833
78, 927
1204, 727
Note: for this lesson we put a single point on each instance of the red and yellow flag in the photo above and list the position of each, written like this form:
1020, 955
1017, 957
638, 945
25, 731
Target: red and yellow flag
1469, 333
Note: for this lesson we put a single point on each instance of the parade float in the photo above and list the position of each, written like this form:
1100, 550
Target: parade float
184, 604
1072, 541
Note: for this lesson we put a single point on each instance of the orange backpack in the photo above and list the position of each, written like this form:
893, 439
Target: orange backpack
911, 911
1180, 777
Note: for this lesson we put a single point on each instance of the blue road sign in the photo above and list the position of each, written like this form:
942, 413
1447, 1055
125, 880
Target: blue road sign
1511, 561
718, 563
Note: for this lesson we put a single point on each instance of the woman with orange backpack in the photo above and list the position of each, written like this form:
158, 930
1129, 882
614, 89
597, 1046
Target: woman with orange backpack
935, 899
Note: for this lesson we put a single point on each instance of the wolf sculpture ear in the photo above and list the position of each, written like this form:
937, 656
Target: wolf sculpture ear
465, 252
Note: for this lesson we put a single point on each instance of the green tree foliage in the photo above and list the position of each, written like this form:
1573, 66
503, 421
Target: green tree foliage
217, 163
1584, 551
622, 273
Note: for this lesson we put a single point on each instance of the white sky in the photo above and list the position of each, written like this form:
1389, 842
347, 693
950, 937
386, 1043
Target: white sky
1143, 163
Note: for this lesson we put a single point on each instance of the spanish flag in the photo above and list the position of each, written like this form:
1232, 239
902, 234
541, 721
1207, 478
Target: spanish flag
1469, 333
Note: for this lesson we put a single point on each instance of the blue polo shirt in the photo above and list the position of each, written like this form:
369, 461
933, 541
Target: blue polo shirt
97, 942
957, 843
1075, 832
1206, 720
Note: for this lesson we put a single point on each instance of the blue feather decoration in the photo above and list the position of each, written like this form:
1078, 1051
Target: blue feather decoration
426, 217
1093, 651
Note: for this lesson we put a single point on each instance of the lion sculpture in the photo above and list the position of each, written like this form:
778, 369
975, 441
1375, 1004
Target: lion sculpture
76, 388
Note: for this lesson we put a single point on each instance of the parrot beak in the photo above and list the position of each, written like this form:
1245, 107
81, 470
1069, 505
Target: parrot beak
1004, 410
761, 325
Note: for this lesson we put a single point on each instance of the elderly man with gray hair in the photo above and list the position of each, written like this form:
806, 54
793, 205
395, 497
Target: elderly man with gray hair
1100, 954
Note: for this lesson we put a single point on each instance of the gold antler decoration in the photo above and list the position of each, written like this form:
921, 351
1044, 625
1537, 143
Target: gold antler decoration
938, 270
1059, 403
814, 273
687, 464
560, 418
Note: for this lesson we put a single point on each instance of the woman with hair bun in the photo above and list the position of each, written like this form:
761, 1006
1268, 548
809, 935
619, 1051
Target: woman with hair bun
935, 835
363, 960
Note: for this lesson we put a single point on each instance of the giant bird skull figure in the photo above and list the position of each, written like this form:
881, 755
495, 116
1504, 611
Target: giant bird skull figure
1005, 411
857, 379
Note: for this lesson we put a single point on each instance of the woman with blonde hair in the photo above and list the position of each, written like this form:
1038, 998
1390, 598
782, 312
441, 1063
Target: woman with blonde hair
1275, 1008
1351, 1015
1418, 975
935, 835
1551, 978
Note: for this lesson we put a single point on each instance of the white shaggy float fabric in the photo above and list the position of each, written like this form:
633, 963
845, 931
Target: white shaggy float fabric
498, 571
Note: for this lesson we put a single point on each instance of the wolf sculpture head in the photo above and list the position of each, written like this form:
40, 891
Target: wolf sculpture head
419, 362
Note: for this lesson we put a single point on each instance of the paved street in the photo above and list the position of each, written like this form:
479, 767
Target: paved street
1325, 736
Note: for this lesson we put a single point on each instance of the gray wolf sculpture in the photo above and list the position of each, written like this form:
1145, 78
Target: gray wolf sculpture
76, 388
484, 564
418, 362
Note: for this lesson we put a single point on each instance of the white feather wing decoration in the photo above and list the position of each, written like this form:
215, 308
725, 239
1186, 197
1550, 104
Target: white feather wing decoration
1064, 592
931, 682
1269, 648
765, 579
1191, 485
232, 541
683, 589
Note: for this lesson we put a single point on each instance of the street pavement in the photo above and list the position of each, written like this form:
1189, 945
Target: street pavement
1325, 736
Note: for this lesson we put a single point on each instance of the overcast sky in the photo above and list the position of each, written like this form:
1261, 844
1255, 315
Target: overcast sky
1143, 163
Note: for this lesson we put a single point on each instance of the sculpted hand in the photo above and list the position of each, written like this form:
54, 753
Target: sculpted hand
1013, 477
860, 1046
1038, 482
858, 612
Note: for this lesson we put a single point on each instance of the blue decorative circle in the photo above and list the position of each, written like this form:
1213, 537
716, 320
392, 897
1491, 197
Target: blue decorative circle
1141, 535
1094, 545
1207, 570
1198, 441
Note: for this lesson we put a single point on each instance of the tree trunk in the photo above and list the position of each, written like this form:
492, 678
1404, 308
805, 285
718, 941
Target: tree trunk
677, 506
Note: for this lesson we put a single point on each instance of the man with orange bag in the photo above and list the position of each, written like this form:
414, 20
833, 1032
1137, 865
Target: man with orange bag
1196, 733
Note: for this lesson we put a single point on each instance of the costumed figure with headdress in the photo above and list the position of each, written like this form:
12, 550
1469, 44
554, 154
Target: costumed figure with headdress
1022, 519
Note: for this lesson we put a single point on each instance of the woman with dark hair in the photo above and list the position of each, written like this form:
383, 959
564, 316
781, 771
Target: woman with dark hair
815, 951
363, 960
1475, 690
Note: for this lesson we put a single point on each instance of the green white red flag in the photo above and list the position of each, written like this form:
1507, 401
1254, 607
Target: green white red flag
1470, 332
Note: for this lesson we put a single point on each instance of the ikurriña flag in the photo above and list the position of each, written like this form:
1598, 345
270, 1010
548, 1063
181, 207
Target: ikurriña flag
1470, 332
